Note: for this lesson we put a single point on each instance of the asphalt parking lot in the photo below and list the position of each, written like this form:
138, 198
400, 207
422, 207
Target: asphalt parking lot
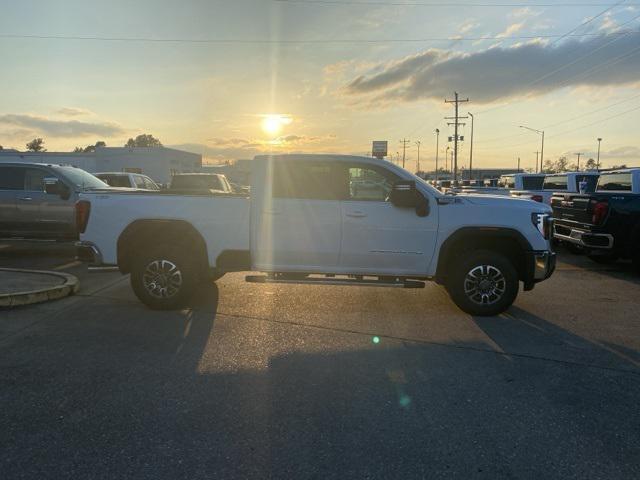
296, 381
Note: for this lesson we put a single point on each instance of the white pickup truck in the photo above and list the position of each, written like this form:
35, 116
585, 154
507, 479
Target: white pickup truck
568, 182
309, 219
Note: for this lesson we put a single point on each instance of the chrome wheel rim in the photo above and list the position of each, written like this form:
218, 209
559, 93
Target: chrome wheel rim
485, 285
162, 279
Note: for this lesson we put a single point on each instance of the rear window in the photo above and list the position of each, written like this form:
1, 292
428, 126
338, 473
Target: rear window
115, 180
591, 180
532, 183
555, 183
197, 182
616, 181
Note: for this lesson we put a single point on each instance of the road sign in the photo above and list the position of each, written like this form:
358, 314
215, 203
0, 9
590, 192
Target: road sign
379, 149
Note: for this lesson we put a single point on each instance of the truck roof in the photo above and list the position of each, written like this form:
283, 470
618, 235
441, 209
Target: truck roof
317, 157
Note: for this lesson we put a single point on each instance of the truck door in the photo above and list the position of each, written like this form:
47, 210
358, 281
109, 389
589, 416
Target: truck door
11, 186
296, 222
47, 215
378, 237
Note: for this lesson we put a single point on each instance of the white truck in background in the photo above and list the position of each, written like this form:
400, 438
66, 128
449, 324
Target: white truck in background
308, 220
568, 182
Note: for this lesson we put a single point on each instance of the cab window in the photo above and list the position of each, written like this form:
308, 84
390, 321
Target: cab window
370, 184
33, 179
306, 180
620, 182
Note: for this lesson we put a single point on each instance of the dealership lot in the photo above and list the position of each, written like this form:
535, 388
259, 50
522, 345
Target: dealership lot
290, 381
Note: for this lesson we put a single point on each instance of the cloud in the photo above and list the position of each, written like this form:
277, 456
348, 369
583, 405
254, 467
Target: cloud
622, 152
73, 111
511, 29
220, 149
60, 128
501, 72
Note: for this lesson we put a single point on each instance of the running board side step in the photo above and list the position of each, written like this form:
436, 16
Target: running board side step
361, 282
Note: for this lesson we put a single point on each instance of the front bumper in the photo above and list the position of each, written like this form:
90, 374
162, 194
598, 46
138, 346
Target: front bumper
585, 239
540, 266
88, 252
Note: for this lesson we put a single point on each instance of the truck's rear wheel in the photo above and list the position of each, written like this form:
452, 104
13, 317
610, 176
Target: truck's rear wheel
483, 283
164, 278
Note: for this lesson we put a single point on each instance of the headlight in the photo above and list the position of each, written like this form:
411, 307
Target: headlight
544, 223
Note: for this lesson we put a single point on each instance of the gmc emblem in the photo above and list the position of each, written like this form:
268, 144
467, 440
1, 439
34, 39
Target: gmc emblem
566, 203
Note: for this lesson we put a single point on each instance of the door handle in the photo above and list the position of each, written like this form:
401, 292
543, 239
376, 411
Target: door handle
25, 199
356, 214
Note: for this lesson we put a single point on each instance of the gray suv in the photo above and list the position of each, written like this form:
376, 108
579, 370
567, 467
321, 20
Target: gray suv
38, 201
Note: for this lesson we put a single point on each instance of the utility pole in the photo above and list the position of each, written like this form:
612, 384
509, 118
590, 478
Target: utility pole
537, 153
471, 149
518, 164
404, 142
418, 142
539, 132
437, 147
456, 123
598, 161
578, 165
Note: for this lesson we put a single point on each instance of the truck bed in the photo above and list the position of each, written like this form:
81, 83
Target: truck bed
223, 220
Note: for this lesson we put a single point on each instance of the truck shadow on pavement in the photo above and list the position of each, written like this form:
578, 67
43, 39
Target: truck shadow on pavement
172, 395
520, 332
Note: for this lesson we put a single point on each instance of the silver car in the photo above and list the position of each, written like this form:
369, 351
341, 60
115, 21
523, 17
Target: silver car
38, 201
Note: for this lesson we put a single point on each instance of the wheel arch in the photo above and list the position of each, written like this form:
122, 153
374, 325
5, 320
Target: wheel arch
157, 232
506, 241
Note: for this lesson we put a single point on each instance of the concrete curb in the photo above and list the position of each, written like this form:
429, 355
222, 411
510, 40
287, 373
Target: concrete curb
69, 287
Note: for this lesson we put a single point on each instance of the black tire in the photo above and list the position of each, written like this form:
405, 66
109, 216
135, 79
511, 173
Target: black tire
179, 274
496, 286
604, 259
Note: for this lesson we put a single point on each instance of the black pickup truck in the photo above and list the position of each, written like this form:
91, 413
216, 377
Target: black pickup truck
606, 223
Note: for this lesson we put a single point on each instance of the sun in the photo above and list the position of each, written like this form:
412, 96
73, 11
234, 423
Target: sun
272, 123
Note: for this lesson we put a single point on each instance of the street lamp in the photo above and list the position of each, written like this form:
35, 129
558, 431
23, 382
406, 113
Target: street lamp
471, 149
598, 161
446, 159
437, 132
539, 132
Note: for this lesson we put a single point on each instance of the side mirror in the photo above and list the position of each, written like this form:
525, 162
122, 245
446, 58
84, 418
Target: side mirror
405, 195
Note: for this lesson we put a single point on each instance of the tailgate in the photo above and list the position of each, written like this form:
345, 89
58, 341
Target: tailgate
572, 207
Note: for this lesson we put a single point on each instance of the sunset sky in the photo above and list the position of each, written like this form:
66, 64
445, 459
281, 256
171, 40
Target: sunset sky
205, 75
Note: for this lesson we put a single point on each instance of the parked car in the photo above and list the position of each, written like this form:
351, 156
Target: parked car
560, 182
301, 219
606, 223
38, 201
199, 183
129, 180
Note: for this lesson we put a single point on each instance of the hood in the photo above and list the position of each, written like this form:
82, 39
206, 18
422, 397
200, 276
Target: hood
502, 201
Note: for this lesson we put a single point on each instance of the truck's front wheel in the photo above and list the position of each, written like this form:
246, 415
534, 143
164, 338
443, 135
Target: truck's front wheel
164, 278
483, 283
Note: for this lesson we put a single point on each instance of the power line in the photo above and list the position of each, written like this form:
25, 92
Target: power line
568, 34
300, 41
444, 4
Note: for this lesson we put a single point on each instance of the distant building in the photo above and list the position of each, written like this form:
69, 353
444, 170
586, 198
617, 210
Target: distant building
157, 162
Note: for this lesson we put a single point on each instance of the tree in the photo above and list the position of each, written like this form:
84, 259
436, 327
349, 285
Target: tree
36, 145
590, 164
562, 164
90, 148
144, 140
619, 167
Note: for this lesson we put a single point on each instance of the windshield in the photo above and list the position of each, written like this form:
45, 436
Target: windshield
81, 179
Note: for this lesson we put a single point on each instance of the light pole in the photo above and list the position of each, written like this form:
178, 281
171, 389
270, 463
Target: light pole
446, 159
471, 149
437, 146
539, 132
598, 161
418, 161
